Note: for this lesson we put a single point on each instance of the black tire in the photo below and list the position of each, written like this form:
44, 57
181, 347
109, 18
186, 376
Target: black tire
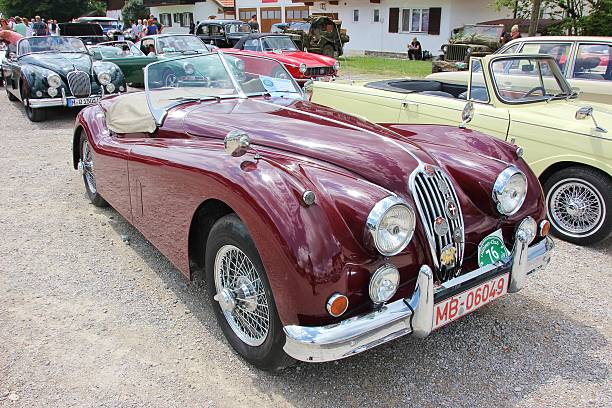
229, 231
35, 115
10, 96
328, 50
595, 189
95, 197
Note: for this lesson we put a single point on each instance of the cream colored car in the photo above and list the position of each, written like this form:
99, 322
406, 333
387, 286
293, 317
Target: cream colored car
586, 63
520, 98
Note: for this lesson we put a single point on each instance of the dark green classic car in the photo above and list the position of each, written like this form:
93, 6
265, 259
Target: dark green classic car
126, 56
50, 71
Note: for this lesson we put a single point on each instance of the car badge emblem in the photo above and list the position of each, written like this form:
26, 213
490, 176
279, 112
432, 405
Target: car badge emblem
429, 170
451, 209
441, 226
458, 235
443, 187
448, 256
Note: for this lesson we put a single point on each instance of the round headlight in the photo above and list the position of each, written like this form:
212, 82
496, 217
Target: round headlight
52, 92
390, 225
240, 64
336, 66
384, 283
469, 50
54, 81
110, 88
303, 68
510, 190
104, 78
189, 68
445, 48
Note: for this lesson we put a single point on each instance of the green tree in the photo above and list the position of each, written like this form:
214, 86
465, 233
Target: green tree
60, 10
133, 10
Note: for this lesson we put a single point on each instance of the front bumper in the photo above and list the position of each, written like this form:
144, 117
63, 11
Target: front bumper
414, 315
37, 103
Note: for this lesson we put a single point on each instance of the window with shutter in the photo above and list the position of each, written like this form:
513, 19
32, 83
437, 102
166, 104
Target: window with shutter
434, 20
394, 20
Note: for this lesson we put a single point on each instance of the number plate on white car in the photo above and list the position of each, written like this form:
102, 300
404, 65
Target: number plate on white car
466, 302
83, 101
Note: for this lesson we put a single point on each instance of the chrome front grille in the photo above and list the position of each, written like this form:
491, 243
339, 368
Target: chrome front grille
79, 83
316, 71
455, 52
435, 197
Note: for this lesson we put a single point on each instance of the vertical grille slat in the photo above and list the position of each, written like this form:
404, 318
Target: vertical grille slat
79, 83
456, 52
431, 202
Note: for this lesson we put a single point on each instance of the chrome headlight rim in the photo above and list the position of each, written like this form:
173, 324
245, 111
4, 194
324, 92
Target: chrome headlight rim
469, 50
377, 215
386, 272
54, 80
500, 184
336, 65
104, 78
303, 68
188, 68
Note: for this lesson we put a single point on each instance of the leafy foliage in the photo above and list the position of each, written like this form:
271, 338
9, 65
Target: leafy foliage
60, 10
133, 10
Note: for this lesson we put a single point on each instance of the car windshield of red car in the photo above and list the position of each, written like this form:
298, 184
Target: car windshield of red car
273, 43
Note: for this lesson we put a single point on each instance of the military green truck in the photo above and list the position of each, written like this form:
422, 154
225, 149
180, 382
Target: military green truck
318, 34
472, 40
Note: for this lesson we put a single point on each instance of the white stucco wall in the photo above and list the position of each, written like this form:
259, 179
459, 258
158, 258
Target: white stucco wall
201, 11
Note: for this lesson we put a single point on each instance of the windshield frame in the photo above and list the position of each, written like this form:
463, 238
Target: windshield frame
264, 49
538, 57
159, 115
50, 51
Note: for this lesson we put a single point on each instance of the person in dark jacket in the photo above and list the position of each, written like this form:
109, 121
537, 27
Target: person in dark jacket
415, 52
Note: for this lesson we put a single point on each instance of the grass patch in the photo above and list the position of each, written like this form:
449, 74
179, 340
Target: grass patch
389, 67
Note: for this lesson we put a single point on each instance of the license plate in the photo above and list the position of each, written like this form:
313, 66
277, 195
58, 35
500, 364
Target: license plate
492, 249
83, 101
466, 302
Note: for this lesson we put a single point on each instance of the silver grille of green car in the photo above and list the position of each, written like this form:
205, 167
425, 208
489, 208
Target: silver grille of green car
79, 83
440, 213
455, 52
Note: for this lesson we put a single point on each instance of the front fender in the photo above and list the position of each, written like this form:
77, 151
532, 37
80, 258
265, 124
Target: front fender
540, 166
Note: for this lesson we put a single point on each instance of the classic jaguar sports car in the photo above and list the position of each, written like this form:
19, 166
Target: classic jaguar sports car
127, 56
301, 65
320, 235
52, 71
519, 98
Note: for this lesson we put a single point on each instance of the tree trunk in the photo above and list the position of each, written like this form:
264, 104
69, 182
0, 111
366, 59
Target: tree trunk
535, 17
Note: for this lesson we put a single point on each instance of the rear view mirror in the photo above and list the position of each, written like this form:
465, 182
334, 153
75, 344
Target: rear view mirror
467, 114
527, 68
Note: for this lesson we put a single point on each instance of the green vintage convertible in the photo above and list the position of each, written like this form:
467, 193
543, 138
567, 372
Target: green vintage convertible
125, 55
519, 98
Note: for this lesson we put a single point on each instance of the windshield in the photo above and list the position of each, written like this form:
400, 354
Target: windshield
118, 50
108, 24
299, 26
180, 44
50, 44
278, 43
481, 31
170, 83
528, 79
238, 28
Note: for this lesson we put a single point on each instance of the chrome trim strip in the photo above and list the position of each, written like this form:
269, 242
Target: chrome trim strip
414, 315
45, 102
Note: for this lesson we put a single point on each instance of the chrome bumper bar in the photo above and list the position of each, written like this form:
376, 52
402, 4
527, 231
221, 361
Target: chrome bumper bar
414, 315
45, 102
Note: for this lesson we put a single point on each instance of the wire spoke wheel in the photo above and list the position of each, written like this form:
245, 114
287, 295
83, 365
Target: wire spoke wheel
576, 207
87, 166
241, 295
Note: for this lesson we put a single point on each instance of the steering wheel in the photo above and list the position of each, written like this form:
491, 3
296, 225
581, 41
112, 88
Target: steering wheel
537, 88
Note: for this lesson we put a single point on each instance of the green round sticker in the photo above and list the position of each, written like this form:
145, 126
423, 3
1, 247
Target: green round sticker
491, 250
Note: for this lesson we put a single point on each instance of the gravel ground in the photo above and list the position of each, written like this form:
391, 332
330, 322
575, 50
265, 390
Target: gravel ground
88, 319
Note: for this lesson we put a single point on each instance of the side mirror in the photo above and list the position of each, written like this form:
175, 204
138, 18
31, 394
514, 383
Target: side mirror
236, 143
467, 115
587, 112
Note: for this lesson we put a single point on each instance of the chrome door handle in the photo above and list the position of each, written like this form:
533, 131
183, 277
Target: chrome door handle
406, 104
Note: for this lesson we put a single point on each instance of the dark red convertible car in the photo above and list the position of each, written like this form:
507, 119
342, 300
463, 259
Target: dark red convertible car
320, 235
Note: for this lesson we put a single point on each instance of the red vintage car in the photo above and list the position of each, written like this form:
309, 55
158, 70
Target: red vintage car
320, 235
301, 65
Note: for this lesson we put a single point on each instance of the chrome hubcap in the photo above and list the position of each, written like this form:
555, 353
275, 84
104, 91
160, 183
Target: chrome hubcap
241, 295
576, 207
171, 81
86, 167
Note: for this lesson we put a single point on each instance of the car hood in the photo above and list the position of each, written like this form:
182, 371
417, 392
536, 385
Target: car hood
301, 57
61, 63
560, 115
327, 135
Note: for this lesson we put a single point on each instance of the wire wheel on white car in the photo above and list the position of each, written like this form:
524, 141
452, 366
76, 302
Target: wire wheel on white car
578, 200
241, 296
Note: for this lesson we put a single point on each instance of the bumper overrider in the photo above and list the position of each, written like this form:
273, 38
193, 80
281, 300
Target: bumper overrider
411, 315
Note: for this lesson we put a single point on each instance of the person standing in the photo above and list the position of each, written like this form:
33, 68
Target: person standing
20, 27
415, 52
139, 28
151, 28
159, 25
515, 33
39, 27
192, 27
253, 23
